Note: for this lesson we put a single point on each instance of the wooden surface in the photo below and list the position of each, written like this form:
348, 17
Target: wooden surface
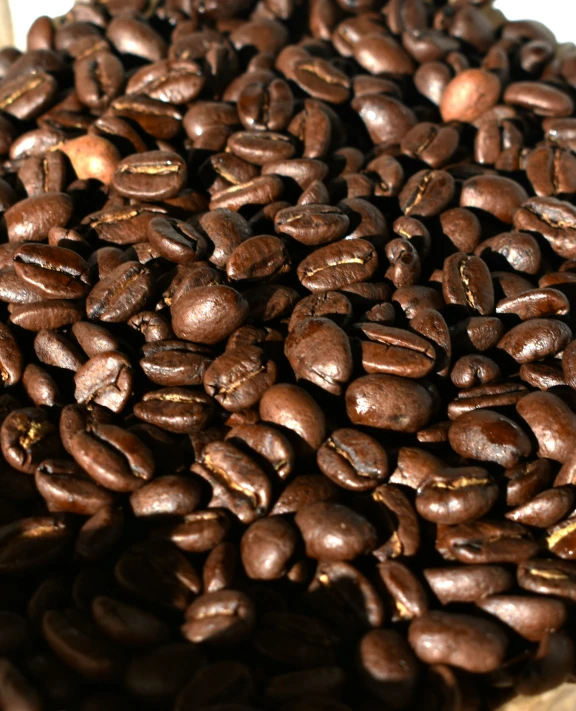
561, 699
6, 35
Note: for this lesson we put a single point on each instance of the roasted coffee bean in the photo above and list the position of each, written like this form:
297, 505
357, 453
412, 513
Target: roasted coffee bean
63, 487
220, 682
268, 442
28, 543
342, 595
174, 363
106, 379
469, 583
113, 457
560, 538
128, 625
542, 99
469, 95
208, 314
456, 495
554, 219
353, 460
389, 402
121, 294
54, 272
395, 352
28, 437
488, 436
170, 495
219, 618
157, 572
388, 666
156, 175
312, 224
175, 240
427, 193
50, 209
80, 644
495, 194
291, 407
406, 592
486, 542
531, 617
334, 532
258, 259
536, 339
177, 410
267, 548
237, 482
200, 531
480, 644
466, 281
295, 639
11, 362
238, 378
319, 351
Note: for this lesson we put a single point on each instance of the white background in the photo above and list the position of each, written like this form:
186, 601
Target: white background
559, 15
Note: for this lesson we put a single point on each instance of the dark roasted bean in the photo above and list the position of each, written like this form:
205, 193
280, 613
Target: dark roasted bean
480, 644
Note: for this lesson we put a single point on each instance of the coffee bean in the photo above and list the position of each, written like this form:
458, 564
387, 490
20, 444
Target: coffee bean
489, 436
267, 547
389, 402
307, 347
389, 666
480, 644
334, 532
177, 410
486, 542
554, 219
353, 460
495, 194
427, 193
470, 583
170, 495
296, 639
342, 595
114, 458
157, 572
28, 543
208, 314
63, 487
200, 531
220, 682
219, 618
530, 617
11, 363
156, 175
394, 351
28, 437
291, 407
456, 495
238, 378
173, 363
106, 379
470, 94
544, 100
128, 625
268, 442
50, 209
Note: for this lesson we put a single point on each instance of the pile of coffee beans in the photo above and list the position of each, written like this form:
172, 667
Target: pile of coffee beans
288, 418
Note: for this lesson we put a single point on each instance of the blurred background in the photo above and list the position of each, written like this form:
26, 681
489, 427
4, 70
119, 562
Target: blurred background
556, 14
